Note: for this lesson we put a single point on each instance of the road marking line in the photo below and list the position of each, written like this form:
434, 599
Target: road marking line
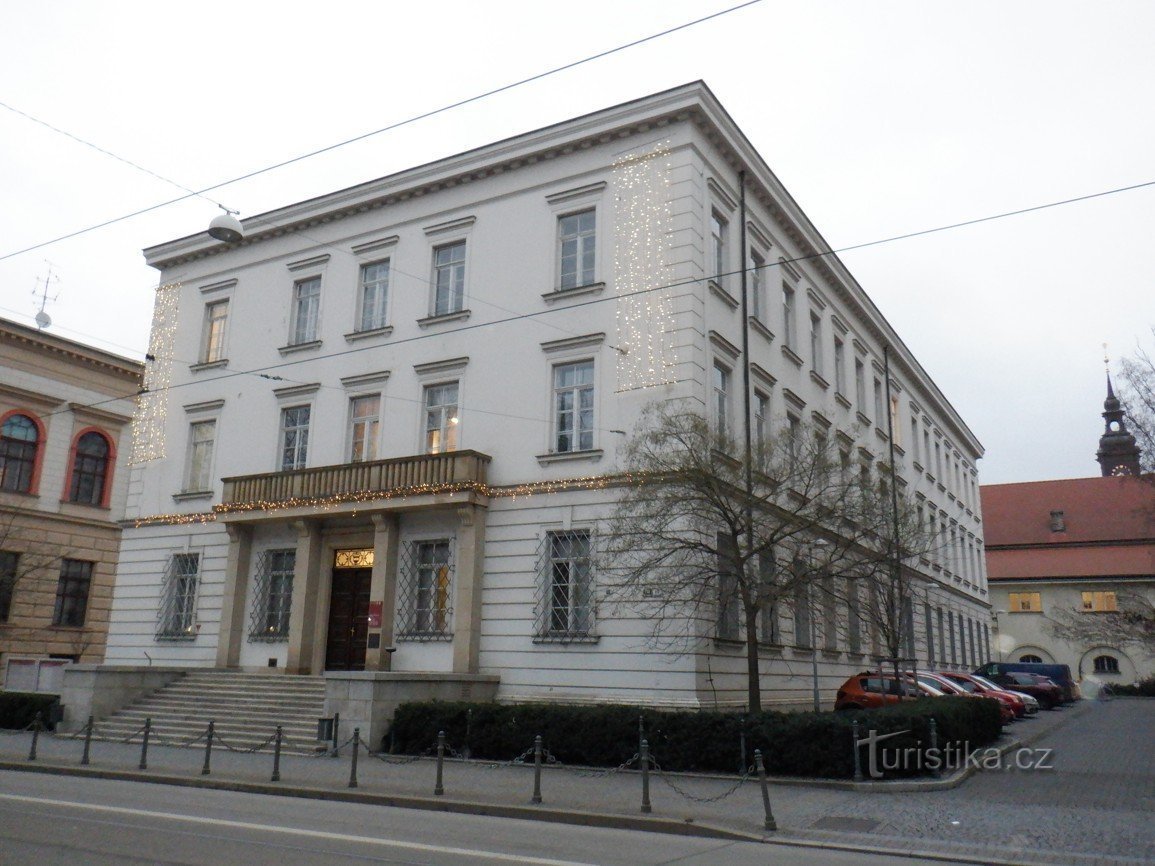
315, 834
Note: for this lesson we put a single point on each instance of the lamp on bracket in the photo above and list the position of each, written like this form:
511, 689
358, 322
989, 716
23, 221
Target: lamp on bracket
226, 227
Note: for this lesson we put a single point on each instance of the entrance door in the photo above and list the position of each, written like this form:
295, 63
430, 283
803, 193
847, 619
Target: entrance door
348, 620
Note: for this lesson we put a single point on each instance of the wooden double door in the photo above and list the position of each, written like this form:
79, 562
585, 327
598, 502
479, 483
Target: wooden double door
348, 620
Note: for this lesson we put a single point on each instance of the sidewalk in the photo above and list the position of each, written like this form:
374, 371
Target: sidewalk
721, 807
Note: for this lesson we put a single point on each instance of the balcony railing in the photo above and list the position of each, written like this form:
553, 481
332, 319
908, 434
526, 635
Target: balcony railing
357, 482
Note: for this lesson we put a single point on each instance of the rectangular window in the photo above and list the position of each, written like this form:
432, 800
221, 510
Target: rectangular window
789, 338
860, 385
757, 285
816, 349
718, 231
907, 614
441, 418
364, 424
853, 617
273, 596
972, 634
895, 429
926, 615
1100, 602
914, 438
306, 311
565, 601
573, 406
829, 614
793, 439
761, 418
722, 399
879, 416
941, 637
374, 296
9, 562
577, 236
926, 447
962, 640
728, 601
938, 460
839, 366
449, 279
176, 619
953, 653
72, 592
426, 590
198, 475
213, 345
294, 437
803, 621
768, 627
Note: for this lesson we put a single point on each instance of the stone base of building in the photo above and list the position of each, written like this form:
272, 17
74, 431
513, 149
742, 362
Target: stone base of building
100, 690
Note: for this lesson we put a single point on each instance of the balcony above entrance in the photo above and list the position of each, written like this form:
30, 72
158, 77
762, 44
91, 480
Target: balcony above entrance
400, 483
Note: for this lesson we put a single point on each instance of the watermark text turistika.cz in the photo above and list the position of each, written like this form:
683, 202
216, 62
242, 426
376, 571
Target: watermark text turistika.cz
950, 757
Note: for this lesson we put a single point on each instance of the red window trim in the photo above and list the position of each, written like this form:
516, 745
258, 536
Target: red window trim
41, 441
105, 494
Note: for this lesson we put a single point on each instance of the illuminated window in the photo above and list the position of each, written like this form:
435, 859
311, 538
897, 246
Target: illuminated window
1099, 602
1026, 602
441, 418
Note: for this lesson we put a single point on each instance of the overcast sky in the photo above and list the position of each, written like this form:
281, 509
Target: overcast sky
881, 118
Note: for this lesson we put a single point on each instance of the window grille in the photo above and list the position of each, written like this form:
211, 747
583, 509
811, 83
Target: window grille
564, 605
425, 587
273, 596
176, 618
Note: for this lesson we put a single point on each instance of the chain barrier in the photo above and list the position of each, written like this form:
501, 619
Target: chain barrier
247, 751
386, 758
551, 761
745, 777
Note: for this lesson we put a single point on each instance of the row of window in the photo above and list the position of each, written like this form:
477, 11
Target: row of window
564, 608
572, 425
1094, 601
576, 262
22, 449
72, 589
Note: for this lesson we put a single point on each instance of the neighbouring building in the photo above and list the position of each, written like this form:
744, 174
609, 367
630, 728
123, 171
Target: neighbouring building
1063, 556
65, 410
380, 430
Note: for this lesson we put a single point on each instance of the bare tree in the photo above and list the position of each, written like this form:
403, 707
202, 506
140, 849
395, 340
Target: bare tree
1132, 624
24, 561
1137, 390
703, 541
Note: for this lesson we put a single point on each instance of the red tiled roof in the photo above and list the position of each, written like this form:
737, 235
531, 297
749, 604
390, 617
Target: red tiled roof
1071, 561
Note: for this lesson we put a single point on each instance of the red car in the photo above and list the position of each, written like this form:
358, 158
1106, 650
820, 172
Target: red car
868, 691
975, 685
1046, 692
950, 687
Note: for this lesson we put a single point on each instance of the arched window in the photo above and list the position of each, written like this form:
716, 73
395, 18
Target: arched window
1106, 665
19, 439
1030, 659
89, 469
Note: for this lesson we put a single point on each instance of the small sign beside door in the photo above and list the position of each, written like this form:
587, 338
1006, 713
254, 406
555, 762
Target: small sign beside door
374, 614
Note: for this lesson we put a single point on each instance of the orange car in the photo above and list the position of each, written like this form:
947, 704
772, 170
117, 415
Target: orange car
868, 691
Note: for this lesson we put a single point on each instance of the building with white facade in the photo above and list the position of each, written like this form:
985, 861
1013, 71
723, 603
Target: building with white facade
382, 429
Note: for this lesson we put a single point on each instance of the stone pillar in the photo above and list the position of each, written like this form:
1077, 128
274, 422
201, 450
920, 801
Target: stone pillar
467, 601
383, 588
237, 568
303, 615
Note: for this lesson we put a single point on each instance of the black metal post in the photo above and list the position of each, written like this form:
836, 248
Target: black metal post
936, 772
144, 744
536, 770
769, 823
467, 752
277, 756
36, 723
438, 787
87, 742
353, 763
336, 730
209, 734
857, 756
644, 757
641, 731
742, 748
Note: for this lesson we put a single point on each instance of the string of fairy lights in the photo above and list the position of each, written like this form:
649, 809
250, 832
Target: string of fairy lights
148, 421
643, 217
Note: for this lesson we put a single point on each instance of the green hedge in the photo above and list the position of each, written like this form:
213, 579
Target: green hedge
1142, 689
18, 709
792, 744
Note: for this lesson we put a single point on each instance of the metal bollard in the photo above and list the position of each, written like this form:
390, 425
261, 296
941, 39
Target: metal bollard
536, 770
742, 765
644, 756
144, 744
87, 742
353, 764
36, 723
336, 730
769, 823
277, 756
466, 751
209, 747
438, 787
641, 731
857, 756
936, 771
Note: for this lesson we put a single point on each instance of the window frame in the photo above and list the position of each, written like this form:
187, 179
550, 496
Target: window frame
191, 456
719, 247
9, 571
305, 319
448, 426
33, 463
582, 276
817, 347
789, 317
300, 446
576, 620
73, 591
581, 438
381, 304
1099, 601
215, 332
722, 393
457, 270
176, 617
432, 582
271, 613
77, 466
757, 284
370, 440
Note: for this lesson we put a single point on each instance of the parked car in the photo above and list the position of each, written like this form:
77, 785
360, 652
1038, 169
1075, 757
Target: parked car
974, 684
950, 687
1060, 675
1045, 691
868, 691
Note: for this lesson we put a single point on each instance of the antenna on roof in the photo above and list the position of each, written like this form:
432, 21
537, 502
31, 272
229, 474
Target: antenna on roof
43, 320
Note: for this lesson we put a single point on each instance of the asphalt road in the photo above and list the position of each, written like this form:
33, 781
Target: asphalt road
49, 819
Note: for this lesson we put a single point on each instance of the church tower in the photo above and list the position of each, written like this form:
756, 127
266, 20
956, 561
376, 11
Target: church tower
1118, 454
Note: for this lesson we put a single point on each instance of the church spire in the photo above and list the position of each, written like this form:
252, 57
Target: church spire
1118, 454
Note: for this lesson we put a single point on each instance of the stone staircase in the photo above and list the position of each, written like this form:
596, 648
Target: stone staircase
245, 707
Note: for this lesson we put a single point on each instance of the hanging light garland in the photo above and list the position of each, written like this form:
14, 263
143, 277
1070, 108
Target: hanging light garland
643, 219
148, 422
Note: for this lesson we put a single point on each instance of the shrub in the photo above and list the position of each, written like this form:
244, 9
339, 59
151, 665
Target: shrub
1142, 689
18, 709
792, 744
